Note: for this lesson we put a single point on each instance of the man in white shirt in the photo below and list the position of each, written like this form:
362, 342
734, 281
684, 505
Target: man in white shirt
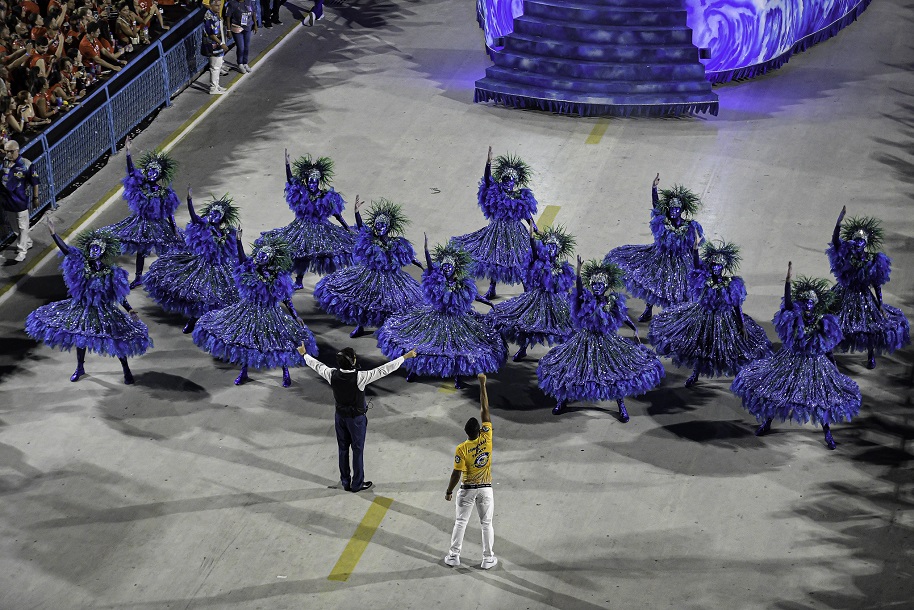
348, 386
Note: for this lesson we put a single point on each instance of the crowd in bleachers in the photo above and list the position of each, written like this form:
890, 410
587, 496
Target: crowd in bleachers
53, 51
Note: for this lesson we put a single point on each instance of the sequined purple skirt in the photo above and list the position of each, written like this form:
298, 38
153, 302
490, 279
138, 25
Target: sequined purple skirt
105, 329
536, 316
498, 250
866, 326
362, 296
183, 283
655, 275
317, 246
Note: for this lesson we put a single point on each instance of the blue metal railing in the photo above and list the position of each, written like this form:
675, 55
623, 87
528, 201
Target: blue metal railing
70, 146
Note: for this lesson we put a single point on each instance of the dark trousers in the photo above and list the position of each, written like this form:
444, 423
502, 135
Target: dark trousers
350, 432
270, 10
242, 45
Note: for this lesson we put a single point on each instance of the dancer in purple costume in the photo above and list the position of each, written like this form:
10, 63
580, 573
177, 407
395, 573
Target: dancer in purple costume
150, 197
376, 286
499, 249
659, 273
91, 319
541, 314
596, 363
200, 276
868, 324
317, 245
800, 381
447, 333
710, 334
255, 331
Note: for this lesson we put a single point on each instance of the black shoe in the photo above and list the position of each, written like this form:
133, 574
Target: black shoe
365, 485
267, 24
277, 21
346, 488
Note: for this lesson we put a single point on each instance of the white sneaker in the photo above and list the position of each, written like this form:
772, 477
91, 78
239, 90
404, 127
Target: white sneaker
488, 563
452, 560
217, 90
247, 68
20, 257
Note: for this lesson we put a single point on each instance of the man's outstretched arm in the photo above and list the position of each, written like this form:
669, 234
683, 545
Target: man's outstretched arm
483, 400
366, 377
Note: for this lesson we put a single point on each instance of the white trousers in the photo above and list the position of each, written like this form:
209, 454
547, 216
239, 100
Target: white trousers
215, 66
484, 500
19, 223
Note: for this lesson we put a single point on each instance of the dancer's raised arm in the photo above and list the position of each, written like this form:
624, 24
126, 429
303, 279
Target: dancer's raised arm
358, 217
288, 167
655, 198
578, 283
487, 176
60, 243
428, 257
190, 208
130, 166
836, 235
788, 300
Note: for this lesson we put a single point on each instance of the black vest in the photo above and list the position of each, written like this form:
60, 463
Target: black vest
350, 400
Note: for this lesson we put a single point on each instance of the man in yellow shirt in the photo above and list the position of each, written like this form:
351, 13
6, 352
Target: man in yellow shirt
473, 459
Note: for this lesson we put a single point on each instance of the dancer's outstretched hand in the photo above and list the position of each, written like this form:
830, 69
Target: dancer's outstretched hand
358, 204
697, 238
489, 157
789, 270
190, 192
288, 160
580, 264
841, 215
426, 240
656, 180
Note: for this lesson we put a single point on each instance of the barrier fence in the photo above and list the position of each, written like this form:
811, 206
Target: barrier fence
103, 118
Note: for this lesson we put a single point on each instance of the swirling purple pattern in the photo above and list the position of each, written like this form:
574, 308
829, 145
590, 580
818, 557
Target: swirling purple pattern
496, 17
749, 37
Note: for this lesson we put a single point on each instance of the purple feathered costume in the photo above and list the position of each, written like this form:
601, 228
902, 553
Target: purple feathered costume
540, 315
449, 336
92, 317
376, 286
710, 334
596, 363
200, 276
151, 226
868, 324
659, 273
800, 381
499, 249
256, 332
316, 244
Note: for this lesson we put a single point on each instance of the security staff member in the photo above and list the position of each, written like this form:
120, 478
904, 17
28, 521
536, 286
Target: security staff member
19, 187
348, 386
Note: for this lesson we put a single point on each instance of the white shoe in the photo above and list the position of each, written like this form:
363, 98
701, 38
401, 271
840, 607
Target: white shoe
489, 563
29, 245
247, 68
452, 560
224, 72
20, 257
217, 90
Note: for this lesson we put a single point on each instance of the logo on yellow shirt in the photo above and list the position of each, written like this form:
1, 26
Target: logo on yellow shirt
481, 460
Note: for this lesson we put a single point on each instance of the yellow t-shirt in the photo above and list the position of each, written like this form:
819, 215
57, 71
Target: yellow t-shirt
474, 457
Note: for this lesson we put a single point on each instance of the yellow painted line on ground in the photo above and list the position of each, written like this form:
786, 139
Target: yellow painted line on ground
359, 541
447, 388
169, 142
548, 216
596, 134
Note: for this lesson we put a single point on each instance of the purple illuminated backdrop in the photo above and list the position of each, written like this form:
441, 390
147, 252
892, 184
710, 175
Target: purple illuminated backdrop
749, 37
744, 37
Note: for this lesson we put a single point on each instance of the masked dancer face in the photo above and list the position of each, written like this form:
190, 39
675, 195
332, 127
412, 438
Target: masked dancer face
263, 256
552, 248
96, 250
858, 243
448, 268
717, 268
314, 180
598, 284
675, 212
509, 180
215, 216
381, 225
152, 171
808, 301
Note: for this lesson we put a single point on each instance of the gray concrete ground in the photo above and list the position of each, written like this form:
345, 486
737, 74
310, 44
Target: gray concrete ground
185, 491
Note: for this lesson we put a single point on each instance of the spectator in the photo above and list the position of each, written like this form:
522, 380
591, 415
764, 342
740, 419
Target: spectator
213, 45
147, 11
126, 28
270, 12
239, 19
92, 51
17, 183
